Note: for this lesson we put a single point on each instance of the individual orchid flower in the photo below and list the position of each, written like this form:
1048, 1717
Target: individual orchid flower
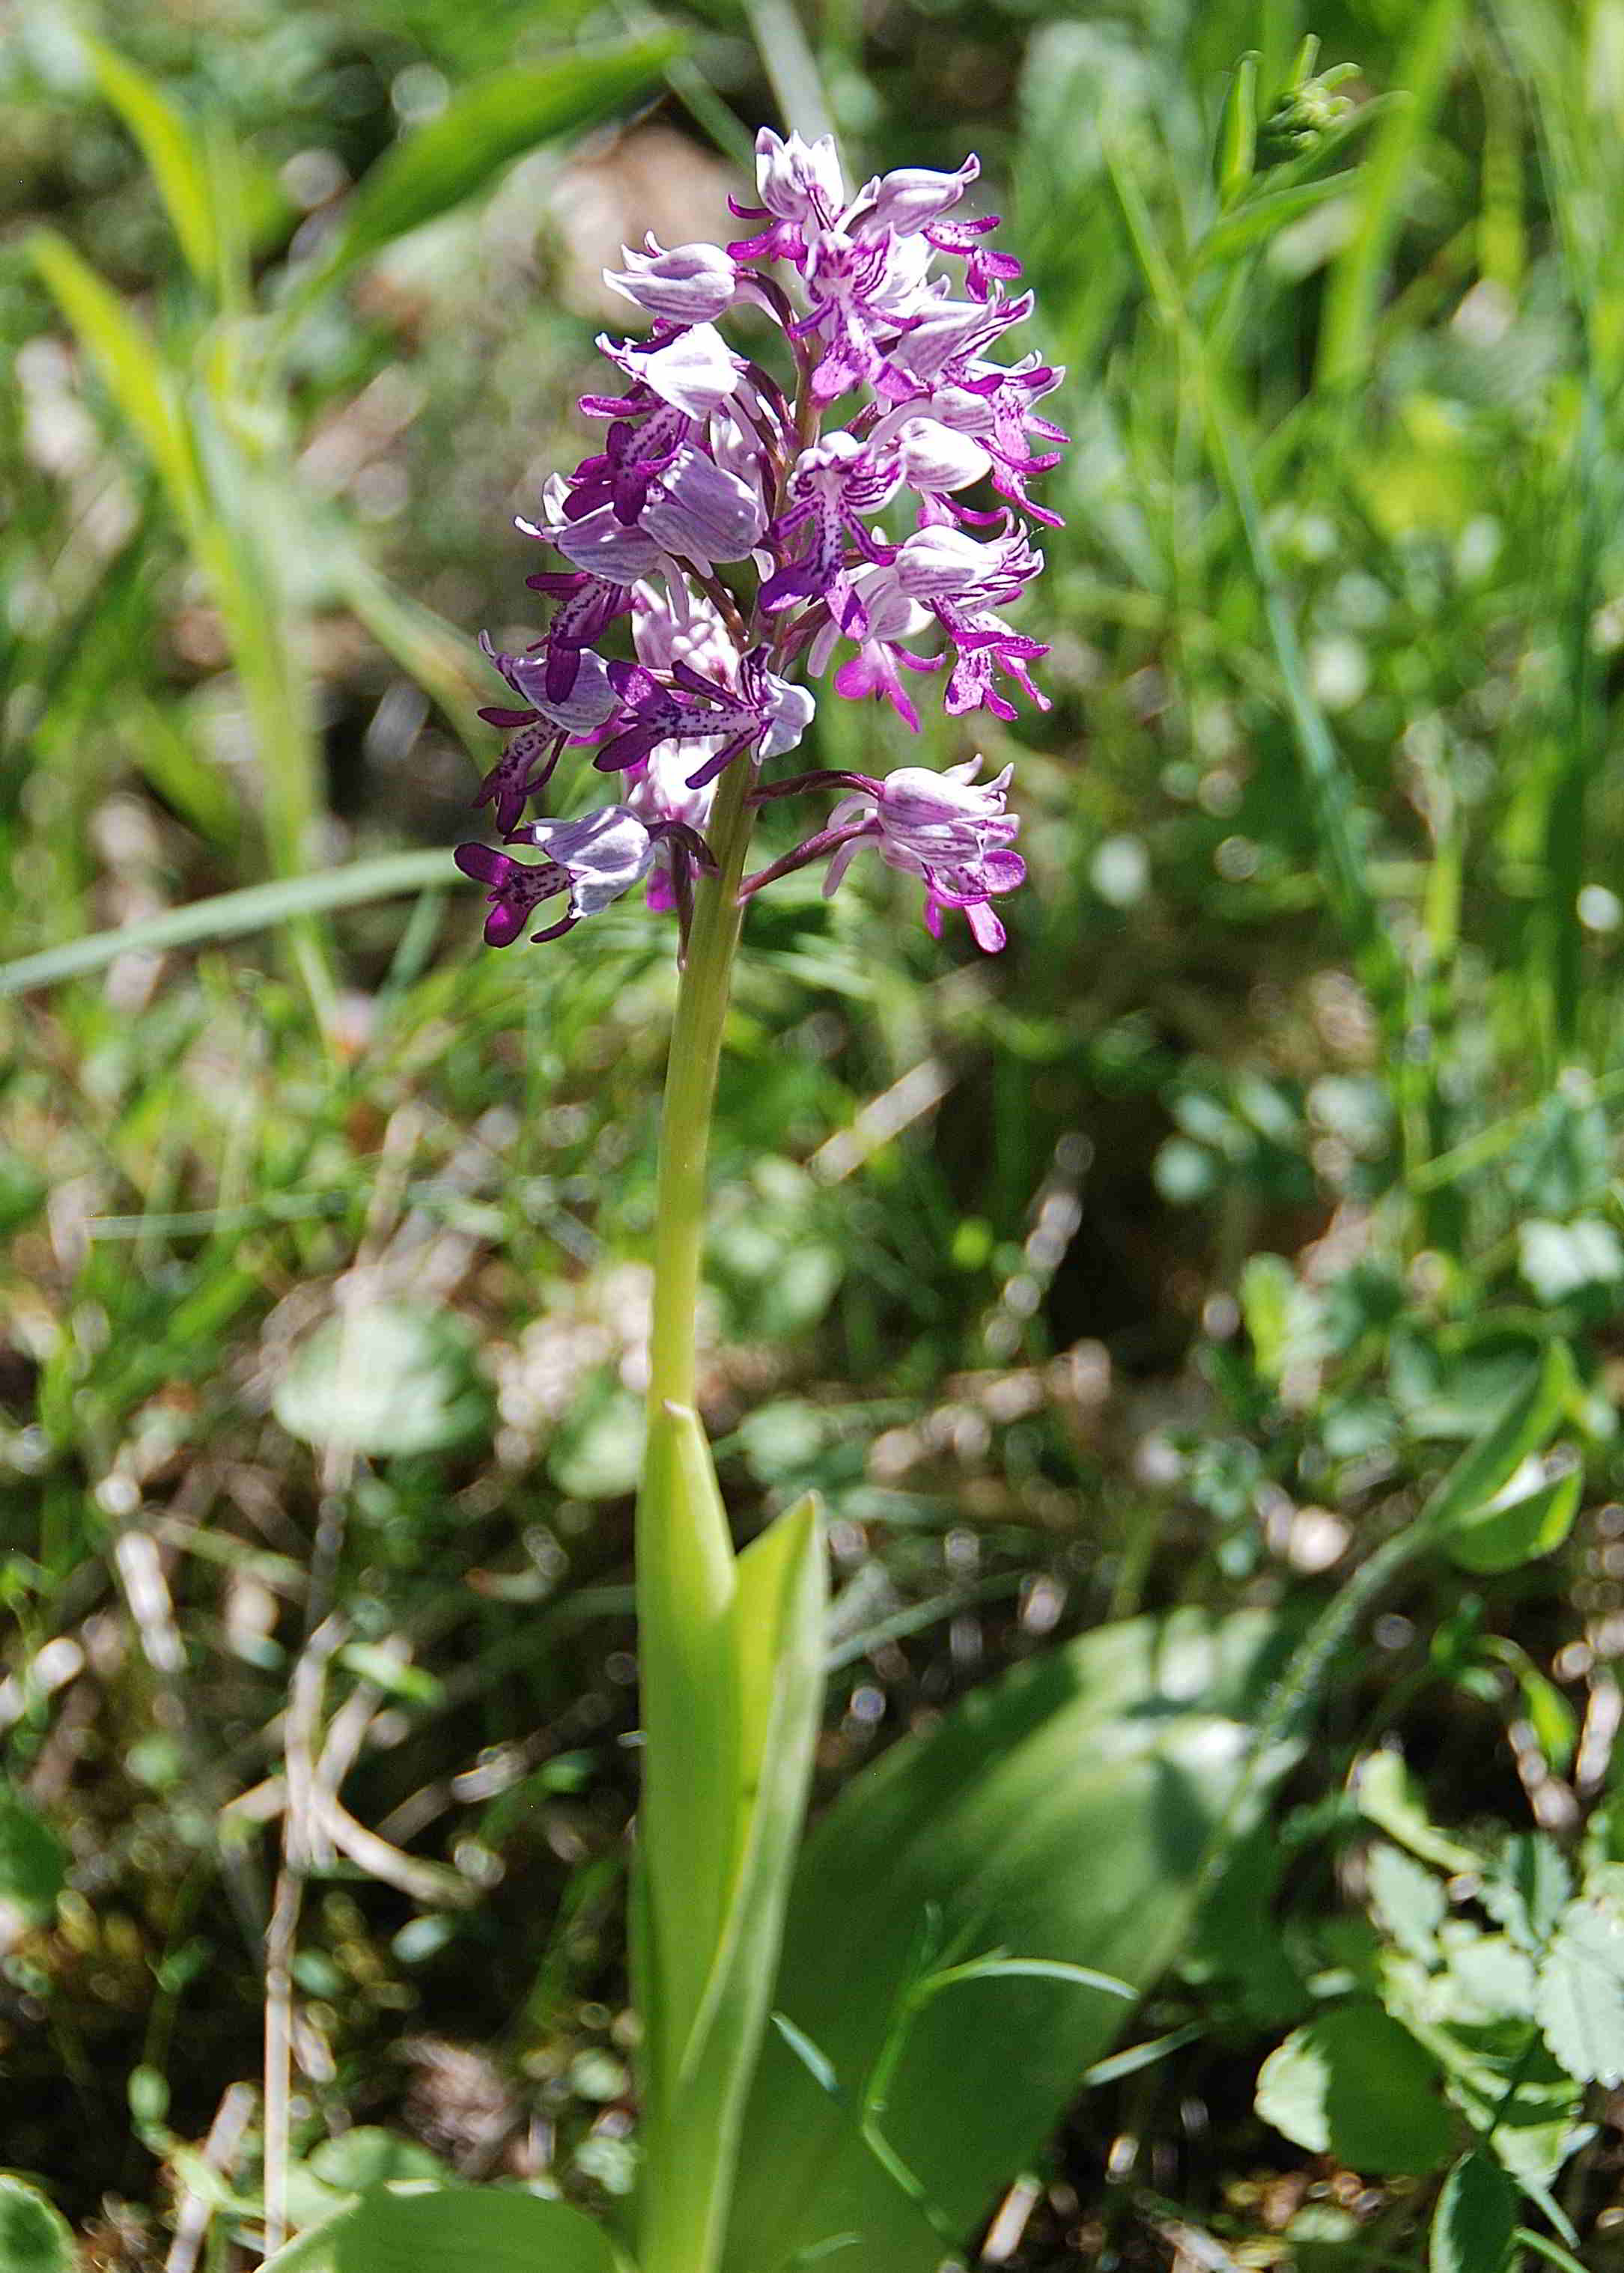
951, 830
690, 284
831, 486
594, 861
762, 712
801, 190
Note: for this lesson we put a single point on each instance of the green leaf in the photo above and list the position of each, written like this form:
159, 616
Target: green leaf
1237, 151
1527, 1888
1060, 1813
1560, 1160
1270, 1298
230, 915
1252, 224
1475, 2018
1553, 1719
1349, 318
176, 163
598, 1452
692, 2144
1407, 1899
367, 2157
33, 1863
391, 1378
1387, 1794
1356, 2085
1581, 1994
132, 368
485, 129
1506, 1534
35, 2237
1523, 1426
456, 2228
1476, 2218
688, 1818
1559, 1259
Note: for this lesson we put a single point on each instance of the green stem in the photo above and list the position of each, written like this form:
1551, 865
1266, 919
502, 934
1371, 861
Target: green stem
686, 1586
690, 1094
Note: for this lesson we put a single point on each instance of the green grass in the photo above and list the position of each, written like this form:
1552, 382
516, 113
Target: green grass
1100, 1277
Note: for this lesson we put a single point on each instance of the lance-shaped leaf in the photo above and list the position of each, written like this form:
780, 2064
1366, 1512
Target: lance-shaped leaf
689, 1816
1061, 1813
171, 150
132, 371
691, 2130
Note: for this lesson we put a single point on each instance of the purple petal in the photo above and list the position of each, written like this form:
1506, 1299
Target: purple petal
486, 864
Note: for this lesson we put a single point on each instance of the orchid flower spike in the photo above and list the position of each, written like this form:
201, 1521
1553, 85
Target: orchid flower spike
853, 509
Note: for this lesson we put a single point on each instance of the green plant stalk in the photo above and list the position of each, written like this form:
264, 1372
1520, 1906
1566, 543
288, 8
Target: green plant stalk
690, 1093
686, 1588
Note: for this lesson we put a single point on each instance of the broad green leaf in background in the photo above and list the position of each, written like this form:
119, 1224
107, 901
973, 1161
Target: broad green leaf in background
1475, 2220
1063, 1812
172, 154
483, 130
450, 2230
1562, 1259
367, 2157
457, 2228
1472, 2012
1523, 1426
1355, 2084
34, 1864
390, 1379
1408, 1900
1508, 1532
35, 2237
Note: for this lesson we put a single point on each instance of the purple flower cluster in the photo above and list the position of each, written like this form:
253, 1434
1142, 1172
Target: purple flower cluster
738, 527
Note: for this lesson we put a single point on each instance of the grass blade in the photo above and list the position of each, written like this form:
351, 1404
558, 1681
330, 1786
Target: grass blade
478, 134
228, 915
174, 158
131, 370
1349, 322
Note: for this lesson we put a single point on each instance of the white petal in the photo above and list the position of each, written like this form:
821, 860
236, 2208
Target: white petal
606, 853
695, 372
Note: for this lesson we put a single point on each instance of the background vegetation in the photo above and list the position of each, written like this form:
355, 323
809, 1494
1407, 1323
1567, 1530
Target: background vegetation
1166, 1260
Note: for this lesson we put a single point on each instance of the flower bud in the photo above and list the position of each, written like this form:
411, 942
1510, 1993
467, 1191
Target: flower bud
912, 197
799, 181
690, 284
932, 456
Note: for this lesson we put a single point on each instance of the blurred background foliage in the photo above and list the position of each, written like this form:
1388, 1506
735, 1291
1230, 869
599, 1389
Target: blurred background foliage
1164, 1260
